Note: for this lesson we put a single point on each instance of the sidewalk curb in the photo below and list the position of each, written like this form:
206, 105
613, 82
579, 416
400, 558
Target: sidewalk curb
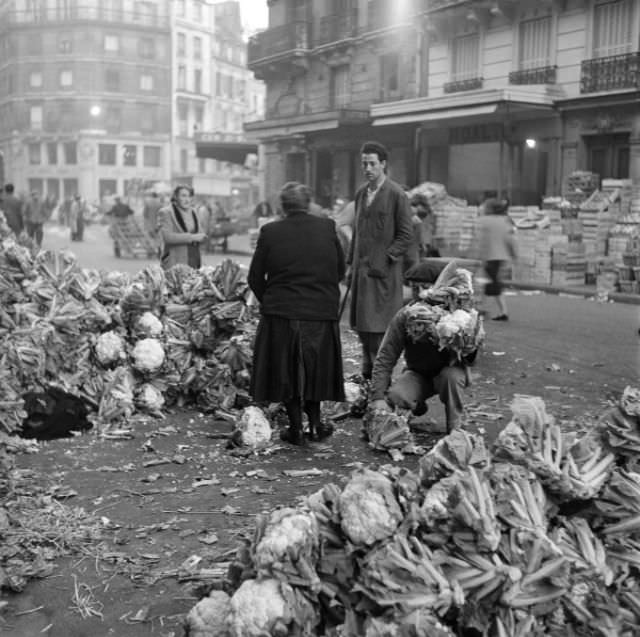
586, 292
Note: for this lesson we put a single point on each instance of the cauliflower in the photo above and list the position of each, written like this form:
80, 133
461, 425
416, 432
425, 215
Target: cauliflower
150, 398
208, 618
353, 391
254, 428
149, 325
368, 508
148, 355
109, 348
269, 607
460, 331
290, 537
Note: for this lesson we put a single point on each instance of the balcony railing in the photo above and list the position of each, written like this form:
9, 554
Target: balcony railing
541, 75
610, 73
277, 41
463, 85
83, 13
438, 5
336, 27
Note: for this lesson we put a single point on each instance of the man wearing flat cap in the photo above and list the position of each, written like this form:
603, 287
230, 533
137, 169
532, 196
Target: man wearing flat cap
429, 370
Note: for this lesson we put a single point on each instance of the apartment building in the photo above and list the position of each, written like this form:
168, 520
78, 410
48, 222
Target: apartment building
236, 98
479, 94
85, 95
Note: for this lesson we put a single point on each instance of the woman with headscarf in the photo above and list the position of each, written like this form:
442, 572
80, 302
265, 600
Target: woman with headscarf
295, 271
179, 230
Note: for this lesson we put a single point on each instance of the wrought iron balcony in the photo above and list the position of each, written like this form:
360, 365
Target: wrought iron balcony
463, 85
540, 75
336, 27
438, 5
286, 40
610, 73
72, 12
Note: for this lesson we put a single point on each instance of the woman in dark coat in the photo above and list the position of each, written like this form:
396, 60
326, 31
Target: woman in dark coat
295, 271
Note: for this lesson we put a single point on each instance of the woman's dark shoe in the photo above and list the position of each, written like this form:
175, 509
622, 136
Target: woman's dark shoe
500, 317
321, 431
293, 436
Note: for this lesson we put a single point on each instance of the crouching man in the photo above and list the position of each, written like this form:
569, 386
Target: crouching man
429, 371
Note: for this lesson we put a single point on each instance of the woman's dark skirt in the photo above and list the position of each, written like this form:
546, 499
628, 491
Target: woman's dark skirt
295, 359
494, 287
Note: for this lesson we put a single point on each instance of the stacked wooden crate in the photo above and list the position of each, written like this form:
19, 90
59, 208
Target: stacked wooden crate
597, 220
568, 263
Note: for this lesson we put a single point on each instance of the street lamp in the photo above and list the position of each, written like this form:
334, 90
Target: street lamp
95, 110
531, 143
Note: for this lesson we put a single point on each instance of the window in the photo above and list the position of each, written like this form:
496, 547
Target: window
107, 154
146, 12
35, 156
180, 8
111, 43
129, 155
52, 153
146, 48
148, 118
197, 11
35, 79
199, 117
182, 77
69, 187
197, 80
183, 114
65, 44
35, 184
218, 84
66, 116
389, 70
202, 165
181, 45
113, 118
53, 189
66, 78
70, 153
146, 82
35, 118
107, 187
184, 161
112, 80
535, 38
152, 156
466, 57
612, 26
241, 89
197, 48
340, 86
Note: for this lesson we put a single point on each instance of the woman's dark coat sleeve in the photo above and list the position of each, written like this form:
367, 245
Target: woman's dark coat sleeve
257, 273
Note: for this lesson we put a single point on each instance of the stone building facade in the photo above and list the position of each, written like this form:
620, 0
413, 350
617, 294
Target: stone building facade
507, 95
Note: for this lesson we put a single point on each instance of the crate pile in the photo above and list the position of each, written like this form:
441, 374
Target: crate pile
455, 221
597, 219
579, 185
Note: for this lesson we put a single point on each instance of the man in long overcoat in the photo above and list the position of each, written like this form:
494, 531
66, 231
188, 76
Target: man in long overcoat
383, 233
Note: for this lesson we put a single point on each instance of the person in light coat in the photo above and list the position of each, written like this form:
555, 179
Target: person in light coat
179, 231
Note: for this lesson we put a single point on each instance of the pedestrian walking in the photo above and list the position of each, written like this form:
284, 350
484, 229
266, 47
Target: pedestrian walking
382, 236
76, 218
295, 273
13, 210
496, 247
179, 231
35, 214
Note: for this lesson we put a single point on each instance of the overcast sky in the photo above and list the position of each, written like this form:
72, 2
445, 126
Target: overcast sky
255, 14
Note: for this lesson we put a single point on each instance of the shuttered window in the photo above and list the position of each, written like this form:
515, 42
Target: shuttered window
535, 38
340, 86
466, 57
612, 28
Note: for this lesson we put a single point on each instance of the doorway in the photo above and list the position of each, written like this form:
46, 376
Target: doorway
608, 155
324, 179
296, 167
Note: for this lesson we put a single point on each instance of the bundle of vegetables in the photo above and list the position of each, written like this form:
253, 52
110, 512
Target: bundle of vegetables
622, 425
253, 428
453, 289
460, 332
12, 411
472, 541
386, 429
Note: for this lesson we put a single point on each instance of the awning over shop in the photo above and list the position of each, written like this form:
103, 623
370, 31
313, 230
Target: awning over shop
514, 101
233, 152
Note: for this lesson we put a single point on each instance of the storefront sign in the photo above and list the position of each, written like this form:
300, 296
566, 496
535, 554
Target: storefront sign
475, 134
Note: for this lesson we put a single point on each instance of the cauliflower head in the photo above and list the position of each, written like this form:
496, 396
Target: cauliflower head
208, 618
254, 427
110, 348
259, 608
149, 325
369, 510
148, 355
289, 537
150, 398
